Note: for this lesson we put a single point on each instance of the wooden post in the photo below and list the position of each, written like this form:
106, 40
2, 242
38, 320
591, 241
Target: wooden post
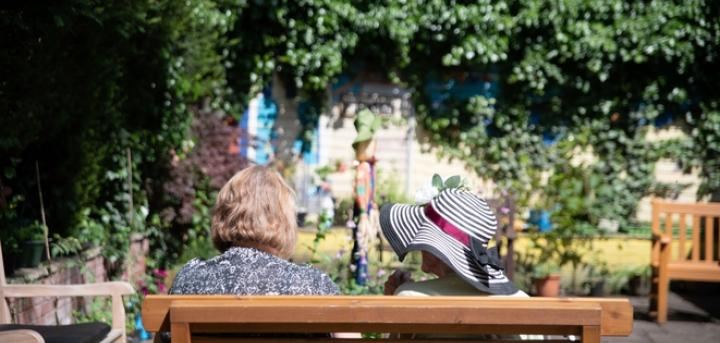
42, 211
591, 334
180, 333
511, 235
131, 216
131, 209
654, 260
663, 284
4, 309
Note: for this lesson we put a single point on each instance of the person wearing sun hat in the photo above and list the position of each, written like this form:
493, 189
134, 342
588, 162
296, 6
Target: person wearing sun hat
452, 231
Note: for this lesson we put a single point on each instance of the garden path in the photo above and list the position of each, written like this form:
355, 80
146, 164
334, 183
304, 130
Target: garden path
692, 318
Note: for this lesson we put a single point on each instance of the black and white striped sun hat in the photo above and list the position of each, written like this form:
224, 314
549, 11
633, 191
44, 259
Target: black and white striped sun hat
455, 226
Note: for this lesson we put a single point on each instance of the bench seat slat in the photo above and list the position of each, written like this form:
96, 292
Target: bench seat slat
694, 271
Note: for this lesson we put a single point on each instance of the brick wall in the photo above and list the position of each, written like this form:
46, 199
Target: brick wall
87, 269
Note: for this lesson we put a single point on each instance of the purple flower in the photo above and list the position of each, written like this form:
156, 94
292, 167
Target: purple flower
340, 254
161, 273
381, 272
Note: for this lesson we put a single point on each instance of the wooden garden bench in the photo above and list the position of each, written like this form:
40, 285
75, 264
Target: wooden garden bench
34, 333
695, 258
201, 318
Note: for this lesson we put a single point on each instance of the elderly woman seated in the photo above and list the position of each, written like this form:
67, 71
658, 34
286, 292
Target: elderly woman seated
254, 226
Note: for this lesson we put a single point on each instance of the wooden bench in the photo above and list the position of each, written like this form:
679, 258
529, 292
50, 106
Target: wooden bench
195, 318
115, 290
694, 258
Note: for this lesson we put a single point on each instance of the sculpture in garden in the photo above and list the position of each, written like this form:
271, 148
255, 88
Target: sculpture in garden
365, 209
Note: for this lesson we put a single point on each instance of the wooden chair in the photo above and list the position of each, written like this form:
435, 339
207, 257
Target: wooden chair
695, 258
33, 333
208, 318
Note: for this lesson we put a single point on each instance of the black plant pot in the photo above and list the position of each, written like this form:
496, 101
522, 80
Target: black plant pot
31, 253
301, 219
639, 285
598, 289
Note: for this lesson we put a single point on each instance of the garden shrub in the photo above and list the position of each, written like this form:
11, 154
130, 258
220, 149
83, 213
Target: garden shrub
86, 82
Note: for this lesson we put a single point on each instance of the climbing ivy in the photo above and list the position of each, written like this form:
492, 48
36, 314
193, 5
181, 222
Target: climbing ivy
84, 81
572, 75
596, 75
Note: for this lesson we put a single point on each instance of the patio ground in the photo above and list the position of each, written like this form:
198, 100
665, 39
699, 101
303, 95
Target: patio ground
693, 318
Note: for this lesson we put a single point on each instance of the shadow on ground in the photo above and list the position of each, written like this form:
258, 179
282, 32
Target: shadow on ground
693, 316
703, 295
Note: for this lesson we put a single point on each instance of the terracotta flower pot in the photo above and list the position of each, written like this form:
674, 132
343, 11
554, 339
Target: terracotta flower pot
548, 286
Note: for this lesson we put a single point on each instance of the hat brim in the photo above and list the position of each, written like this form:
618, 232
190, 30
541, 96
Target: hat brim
408, 229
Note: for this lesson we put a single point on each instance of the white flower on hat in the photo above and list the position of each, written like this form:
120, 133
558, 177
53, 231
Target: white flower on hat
425, 195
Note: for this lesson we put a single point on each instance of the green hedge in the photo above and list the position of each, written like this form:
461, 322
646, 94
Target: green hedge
84, 81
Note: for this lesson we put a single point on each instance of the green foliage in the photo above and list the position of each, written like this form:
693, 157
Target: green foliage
34, 231
91, 80
622, 279
60, 246
322, 230
545, 269
338, 266
594, 74
197, 242
599, 70
452, 182
99, 309
388, 189
96, 310
324, 171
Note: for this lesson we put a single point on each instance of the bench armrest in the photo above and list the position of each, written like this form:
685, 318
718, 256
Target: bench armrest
114, 288
662, 238
21, 336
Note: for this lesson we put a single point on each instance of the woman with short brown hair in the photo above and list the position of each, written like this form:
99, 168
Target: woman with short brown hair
254, 227
255, 209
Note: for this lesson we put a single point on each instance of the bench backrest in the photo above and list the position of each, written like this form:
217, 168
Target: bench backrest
610, 317
695, 237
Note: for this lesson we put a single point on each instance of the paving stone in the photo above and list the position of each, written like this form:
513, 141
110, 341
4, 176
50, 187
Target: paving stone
691, 320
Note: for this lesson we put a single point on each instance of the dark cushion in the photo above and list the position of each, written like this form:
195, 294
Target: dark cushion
75, 333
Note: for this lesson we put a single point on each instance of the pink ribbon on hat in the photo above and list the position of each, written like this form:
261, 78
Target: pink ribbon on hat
446, 226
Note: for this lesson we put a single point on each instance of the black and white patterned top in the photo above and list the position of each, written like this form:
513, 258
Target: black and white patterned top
247, 271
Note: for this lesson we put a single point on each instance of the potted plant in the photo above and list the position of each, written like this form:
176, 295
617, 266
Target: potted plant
633, 280
32, 242
596, 275
546, 279
639, 282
